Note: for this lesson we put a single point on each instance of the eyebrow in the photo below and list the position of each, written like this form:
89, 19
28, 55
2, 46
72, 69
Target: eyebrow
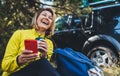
50, 12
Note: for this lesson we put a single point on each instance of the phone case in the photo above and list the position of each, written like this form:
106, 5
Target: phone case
31, 45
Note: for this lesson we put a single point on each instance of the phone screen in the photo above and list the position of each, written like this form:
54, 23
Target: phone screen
31, 45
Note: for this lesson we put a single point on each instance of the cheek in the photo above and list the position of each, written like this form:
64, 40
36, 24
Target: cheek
51, 22
38, 21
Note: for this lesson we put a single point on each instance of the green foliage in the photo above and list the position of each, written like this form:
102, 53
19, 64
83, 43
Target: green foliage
67, 7
63, 7
15, 14
72, 7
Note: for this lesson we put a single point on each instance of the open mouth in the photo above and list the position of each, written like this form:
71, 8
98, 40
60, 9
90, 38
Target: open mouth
45, 21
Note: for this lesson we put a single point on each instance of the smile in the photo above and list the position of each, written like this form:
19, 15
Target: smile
45, 21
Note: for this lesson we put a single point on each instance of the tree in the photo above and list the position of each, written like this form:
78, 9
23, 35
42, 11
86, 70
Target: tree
67, 6
15, 14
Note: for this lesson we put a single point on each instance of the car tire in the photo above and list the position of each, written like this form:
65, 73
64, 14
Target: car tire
103, 56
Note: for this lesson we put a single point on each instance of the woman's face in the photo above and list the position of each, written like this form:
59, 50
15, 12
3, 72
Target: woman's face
44, 20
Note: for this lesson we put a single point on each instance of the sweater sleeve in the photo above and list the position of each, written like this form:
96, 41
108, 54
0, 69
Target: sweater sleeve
9, 63
50, 50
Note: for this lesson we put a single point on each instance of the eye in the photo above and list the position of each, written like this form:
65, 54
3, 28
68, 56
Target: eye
50, 17
44, 15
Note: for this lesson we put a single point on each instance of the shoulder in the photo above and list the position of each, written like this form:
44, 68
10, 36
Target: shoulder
22, 31
19, 33
49, 40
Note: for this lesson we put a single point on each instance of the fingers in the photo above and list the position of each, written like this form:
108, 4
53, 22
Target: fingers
27, 52
29, 56
42, 45
26, 56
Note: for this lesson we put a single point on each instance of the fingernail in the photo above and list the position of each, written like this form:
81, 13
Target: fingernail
38, 55
31, 51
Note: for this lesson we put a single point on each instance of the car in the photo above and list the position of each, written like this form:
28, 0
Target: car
97, 34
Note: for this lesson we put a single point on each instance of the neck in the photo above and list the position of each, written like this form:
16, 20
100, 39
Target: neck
40, 32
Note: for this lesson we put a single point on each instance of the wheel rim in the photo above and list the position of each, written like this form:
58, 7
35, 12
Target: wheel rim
101, 58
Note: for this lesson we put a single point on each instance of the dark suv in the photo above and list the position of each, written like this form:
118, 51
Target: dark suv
97, 34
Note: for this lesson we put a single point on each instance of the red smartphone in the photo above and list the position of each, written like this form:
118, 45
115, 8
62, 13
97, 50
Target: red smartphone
31, 45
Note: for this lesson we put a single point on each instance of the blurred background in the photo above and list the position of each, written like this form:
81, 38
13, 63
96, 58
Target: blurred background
17, 14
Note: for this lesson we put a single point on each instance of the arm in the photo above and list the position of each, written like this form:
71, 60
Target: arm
9, 62
50, 49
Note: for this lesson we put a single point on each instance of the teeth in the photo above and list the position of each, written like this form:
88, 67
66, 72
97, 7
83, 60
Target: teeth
45, 21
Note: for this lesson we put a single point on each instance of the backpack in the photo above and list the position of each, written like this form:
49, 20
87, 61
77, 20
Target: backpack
73, 63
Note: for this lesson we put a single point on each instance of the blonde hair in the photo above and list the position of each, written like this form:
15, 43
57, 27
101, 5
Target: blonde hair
50, 31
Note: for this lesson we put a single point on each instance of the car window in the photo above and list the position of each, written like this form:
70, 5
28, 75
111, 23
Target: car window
117, 27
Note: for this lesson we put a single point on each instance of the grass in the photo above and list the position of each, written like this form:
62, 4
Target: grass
113, 71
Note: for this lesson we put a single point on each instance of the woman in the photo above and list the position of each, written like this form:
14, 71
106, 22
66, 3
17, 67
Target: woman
19, 61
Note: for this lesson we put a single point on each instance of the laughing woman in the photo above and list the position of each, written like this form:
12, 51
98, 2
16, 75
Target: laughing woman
19, 61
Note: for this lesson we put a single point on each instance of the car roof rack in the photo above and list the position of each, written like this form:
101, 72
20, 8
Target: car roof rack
108, 6
102, 2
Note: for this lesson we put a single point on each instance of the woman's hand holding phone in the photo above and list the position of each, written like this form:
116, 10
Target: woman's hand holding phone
26, 56
30, 52
31, 49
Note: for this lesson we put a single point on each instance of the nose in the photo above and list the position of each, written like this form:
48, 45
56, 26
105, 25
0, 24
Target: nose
47, 17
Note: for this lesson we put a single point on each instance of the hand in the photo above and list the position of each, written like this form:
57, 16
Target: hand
26, 56
43, 47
